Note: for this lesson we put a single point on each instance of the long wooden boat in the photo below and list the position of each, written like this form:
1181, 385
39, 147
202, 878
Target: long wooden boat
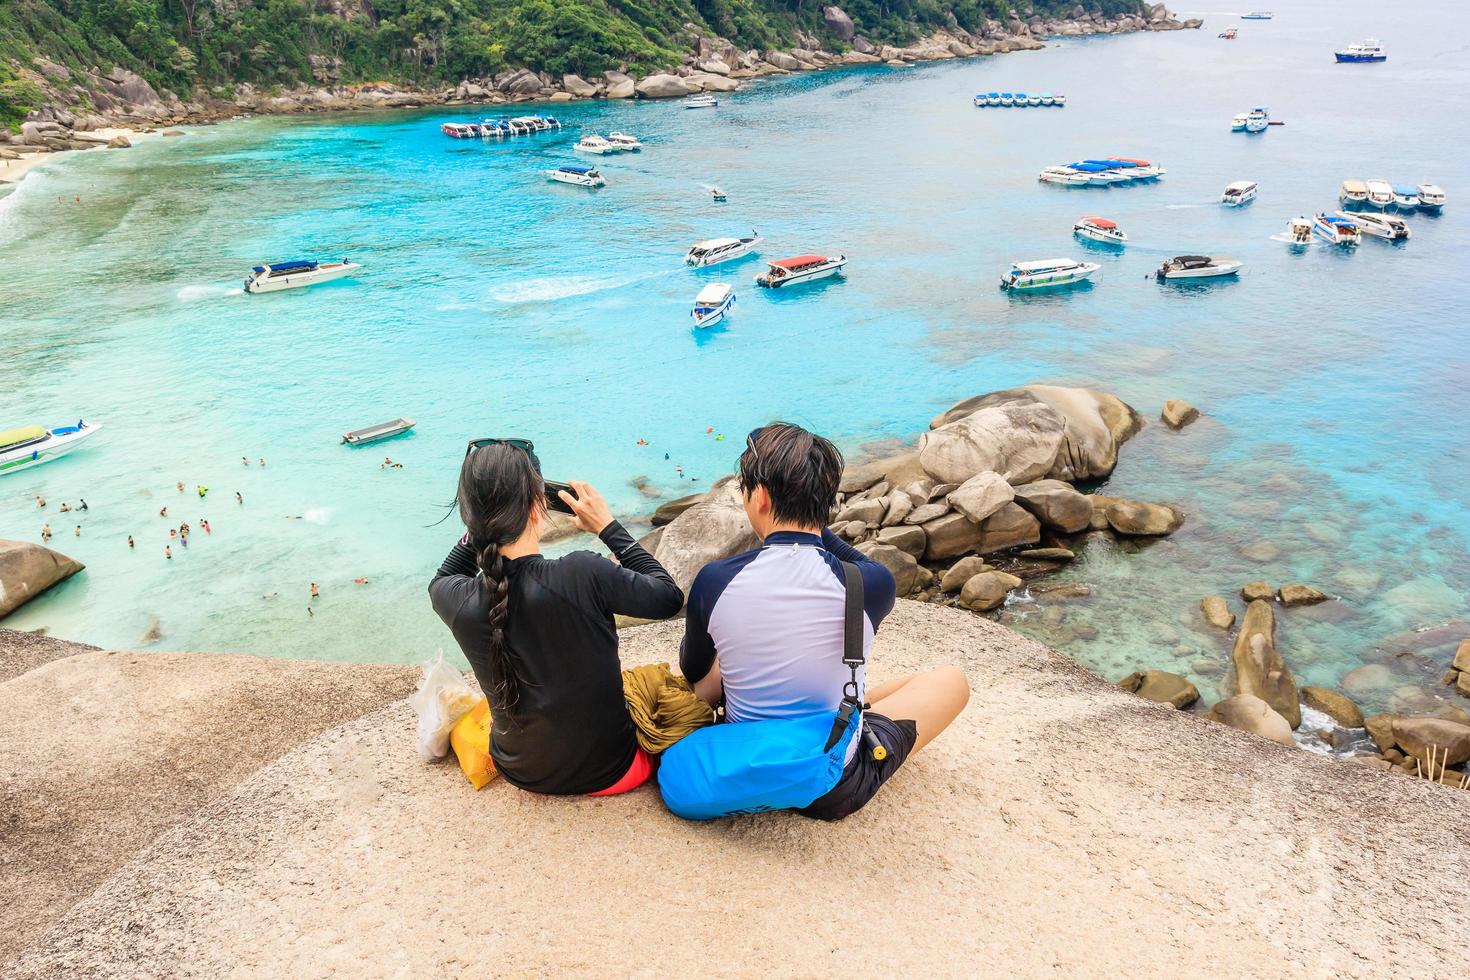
377, 433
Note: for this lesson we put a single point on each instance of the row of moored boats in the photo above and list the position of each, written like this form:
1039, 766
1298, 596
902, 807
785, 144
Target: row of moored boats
1102, 172
1018, 100
1379, 193
487, 128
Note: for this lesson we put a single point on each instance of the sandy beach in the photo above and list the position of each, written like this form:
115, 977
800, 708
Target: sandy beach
13, 171
1060, 827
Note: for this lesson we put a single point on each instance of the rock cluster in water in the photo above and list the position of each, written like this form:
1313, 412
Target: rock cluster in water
78, 103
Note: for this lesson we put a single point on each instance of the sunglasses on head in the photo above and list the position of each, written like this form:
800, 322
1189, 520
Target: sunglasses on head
523, 444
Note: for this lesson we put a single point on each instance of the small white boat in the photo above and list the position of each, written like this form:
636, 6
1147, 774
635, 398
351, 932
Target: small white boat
580, 176
1237, 125
593, 143
1405, 197
32, 445
1353, 192
1257, 15
1059, 100
1238, 192
1065, 176
713, 251
624, 141
293, 275
1046, 273
1033, 100
1380, 192
1431, 197
1007, 99
800, 268
1299, 230
1199, 267
1228, 34
702, 102
377, 433
1336, 230
1257, 119
1379, 225
1102, 230
1369, 50
460, 131
719, 196
1143, 170
712, 303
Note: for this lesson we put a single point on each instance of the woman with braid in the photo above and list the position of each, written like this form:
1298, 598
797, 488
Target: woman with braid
539, 631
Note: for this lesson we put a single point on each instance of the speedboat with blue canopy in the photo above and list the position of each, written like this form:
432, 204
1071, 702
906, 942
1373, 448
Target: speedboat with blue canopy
293, 275
580, 176
1336, 230
712, 303
1007, 99
32, 445
1405, 197
1099, 174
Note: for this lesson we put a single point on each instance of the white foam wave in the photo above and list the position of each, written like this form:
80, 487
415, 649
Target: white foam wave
558, 287
317, 515
191, 294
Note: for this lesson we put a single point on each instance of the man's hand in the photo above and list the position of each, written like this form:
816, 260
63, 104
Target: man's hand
588, 506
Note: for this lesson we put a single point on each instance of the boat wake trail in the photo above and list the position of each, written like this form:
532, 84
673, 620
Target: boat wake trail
1178, 207
560, 287
1284, 237
317, 515
192, 294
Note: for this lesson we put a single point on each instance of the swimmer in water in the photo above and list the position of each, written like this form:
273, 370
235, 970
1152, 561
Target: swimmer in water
79, 530
40, 501
239, 499
244, 460
173, 532
202, 491
315, 592
45, 532
130, 541
262, 461
65, 507
360, 581
163, 512
205, 524
180, 485
270, 595
82, 505
168, 552
309, 613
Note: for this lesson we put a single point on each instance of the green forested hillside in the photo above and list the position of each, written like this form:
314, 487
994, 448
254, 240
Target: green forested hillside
179, 44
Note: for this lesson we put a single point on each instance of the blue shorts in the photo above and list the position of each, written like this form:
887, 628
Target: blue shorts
863, 775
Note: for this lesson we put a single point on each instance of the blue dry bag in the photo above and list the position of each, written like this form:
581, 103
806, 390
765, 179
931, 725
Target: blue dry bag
781, 764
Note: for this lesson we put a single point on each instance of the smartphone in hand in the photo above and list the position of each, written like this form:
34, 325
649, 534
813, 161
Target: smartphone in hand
553, 496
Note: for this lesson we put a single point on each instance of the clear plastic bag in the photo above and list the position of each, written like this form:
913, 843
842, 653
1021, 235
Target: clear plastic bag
441, 700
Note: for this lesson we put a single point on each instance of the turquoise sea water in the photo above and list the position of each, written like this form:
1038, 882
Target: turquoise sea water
494, 303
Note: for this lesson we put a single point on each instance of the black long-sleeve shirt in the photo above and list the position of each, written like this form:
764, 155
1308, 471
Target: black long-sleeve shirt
570, 732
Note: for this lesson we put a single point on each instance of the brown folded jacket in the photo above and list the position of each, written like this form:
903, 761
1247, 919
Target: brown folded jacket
663, 706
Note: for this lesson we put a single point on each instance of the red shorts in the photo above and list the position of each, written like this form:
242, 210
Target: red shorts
636, 776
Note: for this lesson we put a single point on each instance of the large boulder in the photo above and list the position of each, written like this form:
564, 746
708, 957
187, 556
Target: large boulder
1161, 686
987, 590
714, 528
1056, 505
869, 511
1216, 612
1250, 714
955, 534
981, 495
1259, 669
782, 60
1297, 594
961, 572
1338, 707
900, 564
1449, 741
1177, 414
521, 82
1139, 519
661, 86
27, 570
838, 23
578, 86
619, 86
1017, 439
904, 537
1095, 424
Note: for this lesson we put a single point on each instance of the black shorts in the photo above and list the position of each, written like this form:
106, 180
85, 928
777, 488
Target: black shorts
863, 775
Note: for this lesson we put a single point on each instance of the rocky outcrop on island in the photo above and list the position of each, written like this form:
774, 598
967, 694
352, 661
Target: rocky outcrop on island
27, 570
75, 105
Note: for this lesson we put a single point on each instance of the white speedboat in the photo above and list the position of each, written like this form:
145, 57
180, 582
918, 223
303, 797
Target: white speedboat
1431, 197
1336, 230
1199, 267
1299, 230
702, 102
1257, 15
1237, 125
1257, 119
593, 143
1102, 230
713, 251
1065, 176
1098, 174
293, 275
460, 131
32, 445
1380, 192
1369, 50
580, 176
1238, 192
624, 141
525, 125
712, 303
1405, 197
1144, 170
1034, 100
1059, 100
377, 433
1353, 192
1007, 99
1046, 273
800, 268
1379, 225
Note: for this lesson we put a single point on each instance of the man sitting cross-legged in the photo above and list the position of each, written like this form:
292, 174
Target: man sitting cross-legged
765, 628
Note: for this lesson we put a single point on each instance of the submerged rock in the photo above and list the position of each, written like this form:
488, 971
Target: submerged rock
1255, 590
1250, 714
1177, 414
27, 570
1216, 612
1297, 594
1259, 669
1136, 518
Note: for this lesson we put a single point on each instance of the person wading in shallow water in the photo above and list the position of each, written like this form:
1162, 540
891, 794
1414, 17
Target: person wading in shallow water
539, 632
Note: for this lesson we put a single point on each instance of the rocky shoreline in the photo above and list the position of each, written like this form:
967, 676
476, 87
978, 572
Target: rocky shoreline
79, 104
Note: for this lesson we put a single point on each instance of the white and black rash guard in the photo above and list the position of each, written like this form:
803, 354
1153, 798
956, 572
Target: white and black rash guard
570, 732
774, 617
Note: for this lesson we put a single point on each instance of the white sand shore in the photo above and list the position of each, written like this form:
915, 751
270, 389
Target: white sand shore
13, 171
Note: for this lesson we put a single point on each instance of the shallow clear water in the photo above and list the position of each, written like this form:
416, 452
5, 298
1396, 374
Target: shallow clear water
494, 303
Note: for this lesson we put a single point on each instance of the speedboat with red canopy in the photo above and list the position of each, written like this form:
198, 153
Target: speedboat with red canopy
1103, 230
800, 268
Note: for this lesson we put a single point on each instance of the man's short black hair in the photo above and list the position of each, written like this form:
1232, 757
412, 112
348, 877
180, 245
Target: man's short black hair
799, 469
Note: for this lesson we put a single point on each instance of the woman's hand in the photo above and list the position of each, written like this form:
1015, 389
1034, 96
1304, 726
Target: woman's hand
588, 506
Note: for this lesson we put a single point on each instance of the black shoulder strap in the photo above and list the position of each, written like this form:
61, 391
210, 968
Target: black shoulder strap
852, 651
